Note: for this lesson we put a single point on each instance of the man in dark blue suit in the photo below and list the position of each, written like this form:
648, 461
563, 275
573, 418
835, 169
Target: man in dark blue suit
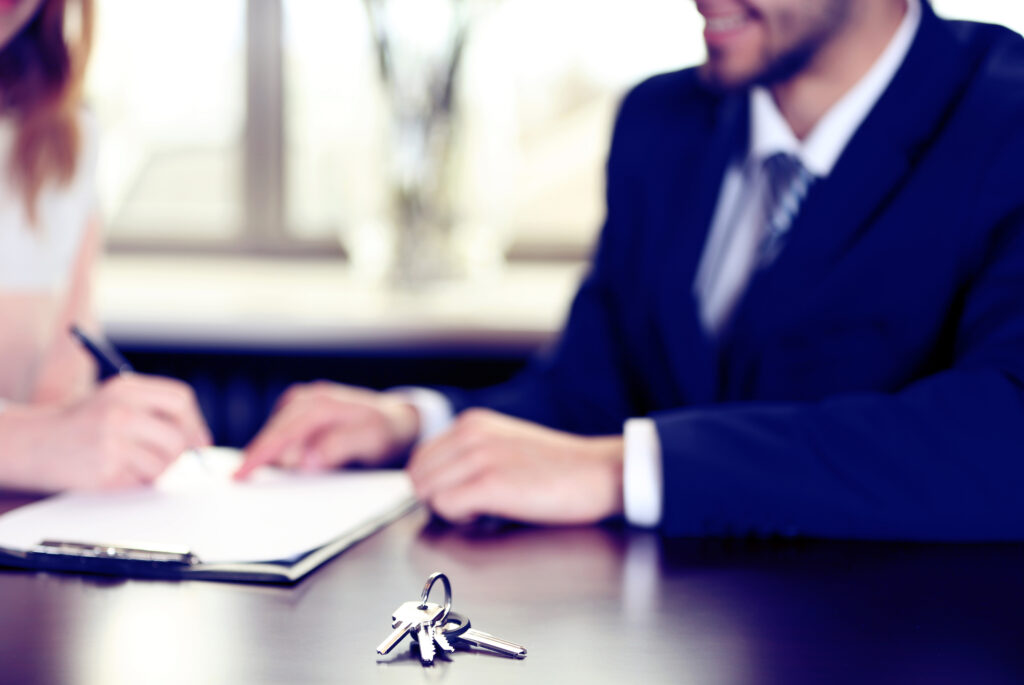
805, 314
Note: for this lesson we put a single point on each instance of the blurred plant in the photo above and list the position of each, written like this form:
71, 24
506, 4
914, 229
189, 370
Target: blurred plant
419, 46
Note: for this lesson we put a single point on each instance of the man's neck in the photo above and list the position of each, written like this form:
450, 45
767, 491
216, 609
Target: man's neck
804, 99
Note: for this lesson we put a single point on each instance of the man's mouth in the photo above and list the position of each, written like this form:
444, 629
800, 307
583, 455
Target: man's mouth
725, 23
729, 22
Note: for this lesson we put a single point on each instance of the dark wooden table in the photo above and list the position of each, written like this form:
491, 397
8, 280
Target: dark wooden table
593, 605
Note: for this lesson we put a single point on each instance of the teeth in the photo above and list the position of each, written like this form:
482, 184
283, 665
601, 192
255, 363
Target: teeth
726, 23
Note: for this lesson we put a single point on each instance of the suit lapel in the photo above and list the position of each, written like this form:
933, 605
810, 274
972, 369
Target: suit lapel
872, 168
692, 355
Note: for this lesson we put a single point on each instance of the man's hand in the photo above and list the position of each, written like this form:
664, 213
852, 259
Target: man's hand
323, 425
492, 464
124, 434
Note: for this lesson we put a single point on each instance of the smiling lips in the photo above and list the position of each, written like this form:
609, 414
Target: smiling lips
724, 21
727, 22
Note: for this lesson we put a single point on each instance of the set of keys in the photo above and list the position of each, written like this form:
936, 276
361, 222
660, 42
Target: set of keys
433, 624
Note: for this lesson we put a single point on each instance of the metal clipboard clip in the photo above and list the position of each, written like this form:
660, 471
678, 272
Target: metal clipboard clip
99, 552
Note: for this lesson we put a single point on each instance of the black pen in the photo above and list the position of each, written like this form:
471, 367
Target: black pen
112, 363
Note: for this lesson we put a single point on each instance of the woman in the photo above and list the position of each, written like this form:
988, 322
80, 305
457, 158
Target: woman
58, 429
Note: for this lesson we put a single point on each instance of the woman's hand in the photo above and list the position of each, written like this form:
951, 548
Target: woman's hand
124, 434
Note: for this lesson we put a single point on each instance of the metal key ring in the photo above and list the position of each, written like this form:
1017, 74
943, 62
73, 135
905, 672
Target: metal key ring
459, 621
447, 607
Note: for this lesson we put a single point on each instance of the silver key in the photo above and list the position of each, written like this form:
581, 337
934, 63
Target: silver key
441, 640
478, 638
429, 634
408, 618
425, 636
460, 633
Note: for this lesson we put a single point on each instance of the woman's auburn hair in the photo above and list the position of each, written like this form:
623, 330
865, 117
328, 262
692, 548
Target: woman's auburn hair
41, 75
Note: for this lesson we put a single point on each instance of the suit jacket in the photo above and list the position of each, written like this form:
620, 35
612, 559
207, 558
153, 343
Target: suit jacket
871, 381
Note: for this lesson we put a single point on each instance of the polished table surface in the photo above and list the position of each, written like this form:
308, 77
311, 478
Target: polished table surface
592, 605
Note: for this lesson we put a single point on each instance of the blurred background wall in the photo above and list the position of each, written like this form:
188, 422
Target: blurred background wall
375, 191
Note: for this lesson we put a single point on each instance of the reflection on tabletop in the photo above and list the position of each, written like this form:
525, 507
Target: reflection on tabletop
772, 605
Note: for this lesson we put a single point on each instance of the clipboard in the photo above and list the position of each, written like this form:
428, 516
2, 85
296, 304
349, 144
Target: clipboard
97, 531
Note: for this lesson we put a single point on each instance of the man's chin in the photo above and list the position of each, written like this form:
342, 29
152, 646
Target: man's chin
719, 75
718, 78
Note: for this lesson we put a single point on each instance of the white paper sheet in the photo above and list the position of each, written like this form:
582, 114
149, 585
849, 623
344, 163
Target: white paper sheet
276, 515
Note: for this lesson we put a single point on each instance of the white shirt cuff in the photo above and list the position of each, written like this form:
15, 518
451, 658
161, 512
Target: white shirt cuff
641, 473
435, 410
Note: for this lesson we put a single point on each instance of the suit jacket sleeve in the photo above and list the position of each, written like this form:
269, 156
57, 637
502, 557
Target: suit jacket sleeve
941, 459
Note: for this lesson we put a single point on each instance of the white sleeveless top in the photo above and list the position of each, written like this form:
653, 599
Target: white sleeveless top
36, 262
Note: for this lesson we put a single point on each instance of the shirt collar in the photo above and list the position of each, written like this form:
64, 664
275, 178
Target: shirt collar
770, 133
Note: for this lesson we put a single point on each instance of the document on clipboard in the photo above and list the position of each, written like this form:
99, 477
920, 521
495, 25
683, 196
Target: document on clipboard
197, 522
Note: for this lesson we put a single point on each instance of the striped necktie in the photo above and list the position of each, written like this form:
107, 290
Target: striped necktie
786, 184
773, 190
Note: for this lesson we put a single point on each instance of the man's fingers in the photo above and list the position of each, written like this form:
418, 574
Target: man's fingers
330, 426
436, 455
290, 456
457, 469
307, 392
288, 406
294, 427
346, 444
428, 454
252, 461
467, 501
273, 440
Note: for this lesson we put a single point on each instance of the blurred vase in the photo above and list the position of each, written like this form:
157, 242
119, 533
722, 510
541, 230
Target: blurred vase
420, 45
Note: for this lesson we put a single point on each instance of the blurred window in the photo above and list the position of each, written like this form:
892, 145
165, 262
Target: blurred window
167, 84
264, 124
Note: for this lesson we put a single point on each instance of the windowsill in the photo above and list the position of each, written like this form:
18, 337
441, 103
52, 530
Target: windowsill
262, 302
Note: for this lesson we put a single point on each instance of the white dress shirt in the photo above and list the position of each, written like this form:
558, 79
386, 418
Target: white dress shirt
728, 254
